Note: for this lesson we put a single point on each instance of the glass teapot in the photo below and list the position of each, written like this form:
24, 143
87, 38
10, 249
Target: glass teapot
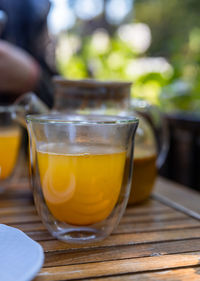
113, 98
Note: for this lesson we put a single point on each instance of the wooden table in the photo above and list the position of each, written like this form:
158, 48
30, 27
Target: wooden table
159, 240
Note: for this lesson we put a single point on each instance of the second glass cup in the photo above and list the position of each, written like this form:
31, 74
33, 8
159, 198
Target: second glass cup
81, 169
10, 142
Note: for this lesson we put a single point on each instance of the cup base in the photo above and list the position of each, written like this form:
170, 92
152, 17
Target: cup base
80, 235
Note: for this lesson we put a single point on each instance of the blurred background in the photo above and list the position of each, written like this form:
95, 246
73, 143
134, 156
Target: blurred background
154, 43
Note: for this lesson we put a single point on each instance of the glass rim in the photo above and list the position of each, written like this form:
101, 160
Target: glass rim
81, 119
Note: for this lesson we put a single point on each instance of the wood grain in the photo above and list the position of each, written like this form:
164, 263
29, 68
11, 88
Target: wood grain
176, 196
157, 240
157, 225
115, 253
118, 267
9, 211
186, 274
128, 239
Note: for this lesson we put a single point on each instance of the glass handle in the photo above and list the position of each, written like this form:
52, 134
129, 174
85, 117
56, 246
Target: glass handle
159, 126
31, 104
164, 143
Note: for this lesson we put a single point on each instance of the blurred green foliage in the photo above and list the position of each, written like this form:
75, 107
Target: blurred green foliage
173, 84
175, 30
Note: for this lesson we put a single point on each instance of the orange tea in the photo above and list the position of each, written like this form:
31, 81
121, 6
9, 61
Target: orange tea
80, 188
9, 147
144, 174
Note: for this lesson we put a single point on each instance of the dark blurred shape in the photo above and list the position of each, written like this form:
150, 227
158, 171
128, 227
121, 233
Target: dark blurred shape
26, 27
183, 161
3, 20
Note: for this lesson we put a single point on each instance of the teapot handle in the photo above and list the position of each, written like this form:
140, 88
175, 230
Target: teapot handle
163, 147
29, 103
159, 125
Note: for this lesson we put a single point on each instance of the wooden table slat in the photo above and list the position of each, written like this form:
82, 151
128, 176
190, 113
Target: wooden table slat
117, 267
178, 196
128, 239
181, 274
114, 253
125, 228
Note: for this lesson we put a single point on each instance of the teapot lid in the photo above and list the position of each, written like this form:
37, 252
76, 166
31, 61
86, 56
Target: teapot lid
90, 93
90, 83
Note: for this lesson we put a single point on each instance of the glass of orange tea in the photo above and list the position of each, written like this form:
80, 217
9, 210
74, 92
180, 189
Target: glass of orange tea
10, 138
81, 168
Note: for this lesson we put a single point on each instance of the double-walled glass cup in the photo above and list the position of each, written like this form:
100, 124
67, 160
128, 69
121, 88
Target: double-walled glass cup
10, 139
12, 125
81, 169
